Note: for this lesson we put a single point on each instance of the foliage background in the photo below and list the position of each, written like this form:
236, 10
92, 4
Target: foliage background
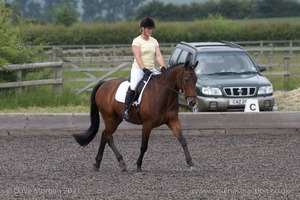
213, 29
56, 23
89, 11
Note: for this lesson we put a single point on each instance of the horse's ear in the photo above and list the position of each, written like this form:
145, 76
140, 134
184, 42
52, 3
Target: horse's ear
196, 64
187, 63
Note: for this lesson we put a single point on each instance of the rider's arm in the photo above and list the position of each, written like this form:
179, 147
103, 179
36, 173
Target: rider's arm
159, 57
137, 55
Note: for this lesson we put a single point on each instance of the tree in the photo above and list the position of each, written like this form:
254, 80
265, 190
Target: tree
152, 9
33, 10
234, 9
118, 10
130, 7
65, 14
276, 8
51, 6
109, 10
92, 10
12, 49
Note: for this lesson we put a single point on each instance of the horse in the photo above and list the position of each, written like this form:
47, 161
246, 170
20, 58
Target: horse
159, 105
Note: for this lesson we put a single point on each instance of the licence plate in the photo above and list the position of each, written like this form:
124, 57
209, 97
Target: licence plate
237, 101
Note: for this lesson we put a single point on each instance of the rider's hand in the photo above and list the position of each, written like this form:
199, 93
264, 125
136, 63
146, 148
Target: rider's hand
147, 71
163, 69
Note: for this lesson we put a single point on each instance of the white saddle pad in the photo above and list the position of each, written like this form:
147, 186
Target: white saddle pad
122, 89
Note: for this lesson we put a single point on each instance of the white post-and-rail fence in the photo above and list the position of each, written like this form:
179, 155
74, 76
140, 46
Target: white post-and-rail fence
119, 57
56, 80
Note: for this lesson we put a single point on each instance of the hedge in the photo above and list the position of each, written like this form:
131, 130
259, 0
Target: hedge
166, 32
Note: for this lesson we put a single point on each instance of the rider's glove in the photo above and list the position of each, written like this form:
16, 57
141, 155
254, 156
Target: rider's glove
147, 71
163, 69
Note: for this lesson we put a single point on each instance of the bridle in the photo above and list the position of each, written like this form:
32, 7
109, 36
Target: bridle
181, 84
181, 91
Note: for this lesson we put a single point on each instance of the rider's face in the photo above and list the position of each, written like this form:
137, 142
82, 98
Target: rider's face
148, 31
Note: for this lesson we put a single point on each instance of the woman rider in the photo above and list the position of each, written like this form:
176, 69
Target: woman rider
145, 48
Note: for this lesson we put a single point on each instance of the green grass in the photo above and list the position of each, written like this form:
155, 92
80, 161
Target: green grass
75, 74
42, 96
278, 81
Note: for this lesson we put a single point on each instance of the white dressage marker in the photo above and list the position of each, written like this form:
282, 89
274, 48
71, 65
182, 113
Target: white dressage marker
252, 105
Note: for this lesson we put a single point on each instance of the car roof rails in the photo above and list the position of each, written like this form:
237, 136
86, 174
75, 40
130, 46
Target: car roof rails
188, 44
232, 44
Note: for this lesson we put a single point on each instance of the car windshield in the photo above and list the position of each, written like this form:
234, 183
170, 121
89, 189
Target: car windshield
224, 63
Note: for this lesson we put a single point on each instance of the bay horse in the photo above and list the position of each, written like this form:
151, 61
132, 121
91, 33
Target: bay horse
159, 105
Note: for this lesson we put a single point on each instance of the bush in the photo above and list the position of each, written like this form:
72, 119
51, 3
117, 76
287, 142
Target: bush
13, 49
65, 14
212, 29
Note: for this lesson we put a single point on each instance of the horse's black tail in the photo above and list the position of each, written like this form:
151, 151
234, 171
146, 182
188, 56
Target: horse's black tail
85, 138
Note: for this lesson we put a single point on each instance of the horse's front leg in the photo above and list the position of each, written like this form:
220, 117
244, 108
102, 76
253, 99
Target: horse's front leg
175, 126
185, 149
144, 146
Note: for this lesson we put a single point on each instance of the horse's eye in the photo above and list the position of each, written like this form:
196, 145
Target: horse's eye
186, 79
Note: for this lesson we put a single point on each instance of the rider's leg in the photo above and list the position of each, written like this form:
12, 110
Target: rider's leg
136, 75
128, 101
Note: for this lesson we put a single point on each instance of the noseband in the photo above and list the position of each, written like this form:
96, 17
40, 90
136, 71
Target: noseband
181, 84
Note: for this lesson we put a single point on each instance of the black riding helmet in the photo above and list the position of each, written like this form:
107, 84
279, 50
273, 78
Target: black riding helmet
147, 22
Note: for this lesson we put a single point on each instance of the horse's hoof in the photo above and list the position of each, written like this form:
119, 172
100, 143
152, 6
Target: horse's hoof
190, 163
139, 169
192, 168
96, 167
122, 166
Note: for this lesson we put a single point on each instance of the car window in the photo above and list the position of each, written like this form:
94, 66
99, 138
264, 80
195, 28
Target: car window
183, 57
174, 57
235, 62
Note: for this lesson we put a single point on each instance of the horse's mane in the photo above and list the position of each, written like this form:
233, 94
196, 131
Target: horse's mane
170, 68
174, 65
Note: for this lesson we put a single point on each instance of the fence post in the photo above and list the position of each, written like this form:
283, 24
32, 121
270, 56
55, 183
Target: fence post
20, 79
256, 57
291, 47
83, 53
270, 61
57, 71
261, 44
286, 76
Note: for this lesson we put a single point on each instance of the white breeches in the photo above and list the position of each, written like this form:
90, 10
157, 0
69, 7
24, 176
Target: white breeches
136, 76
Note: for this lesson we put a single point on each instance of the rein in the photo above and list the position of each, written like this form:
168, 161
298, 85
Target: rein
181, 84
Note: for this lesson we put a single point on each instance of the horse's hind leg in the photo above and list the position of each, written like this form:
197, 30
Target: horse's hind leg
119, 157
100, 152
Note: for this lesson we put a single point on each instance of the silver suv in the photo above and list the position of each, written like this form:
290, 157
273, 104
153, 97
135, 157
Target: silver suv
227, 76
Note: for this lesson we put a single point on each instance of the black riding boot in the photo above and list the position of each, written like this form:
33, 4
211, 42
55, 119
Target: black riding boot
128, 101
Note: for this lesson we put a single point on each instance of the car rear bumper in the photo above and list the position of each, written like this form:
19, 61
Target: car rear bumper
223, 104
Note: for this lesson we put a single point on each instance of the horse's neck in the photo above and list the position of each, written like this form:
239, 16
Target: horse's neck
169, 79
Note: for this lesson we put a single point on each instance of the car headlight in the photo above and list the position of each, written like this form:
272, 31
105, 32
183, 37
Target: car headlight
213, 91
265, 90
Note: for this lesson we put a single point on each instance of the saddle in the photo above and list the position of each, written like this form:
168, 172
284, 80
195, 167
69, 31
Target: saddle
123, 87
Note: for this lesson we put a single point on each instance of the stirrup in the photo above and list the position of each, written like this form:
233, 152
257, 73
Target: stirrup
126, 115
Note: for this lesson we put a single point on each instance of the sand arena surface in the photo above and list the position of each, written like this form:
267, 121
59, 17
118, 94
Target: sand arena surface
262, 166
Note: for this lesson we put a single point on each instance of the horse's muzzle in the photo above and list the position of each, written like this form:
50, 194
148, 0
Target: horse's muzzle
191, 101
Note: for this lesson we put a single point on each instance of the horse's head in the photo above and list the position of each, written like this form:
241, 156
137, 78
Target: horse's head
187, 83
